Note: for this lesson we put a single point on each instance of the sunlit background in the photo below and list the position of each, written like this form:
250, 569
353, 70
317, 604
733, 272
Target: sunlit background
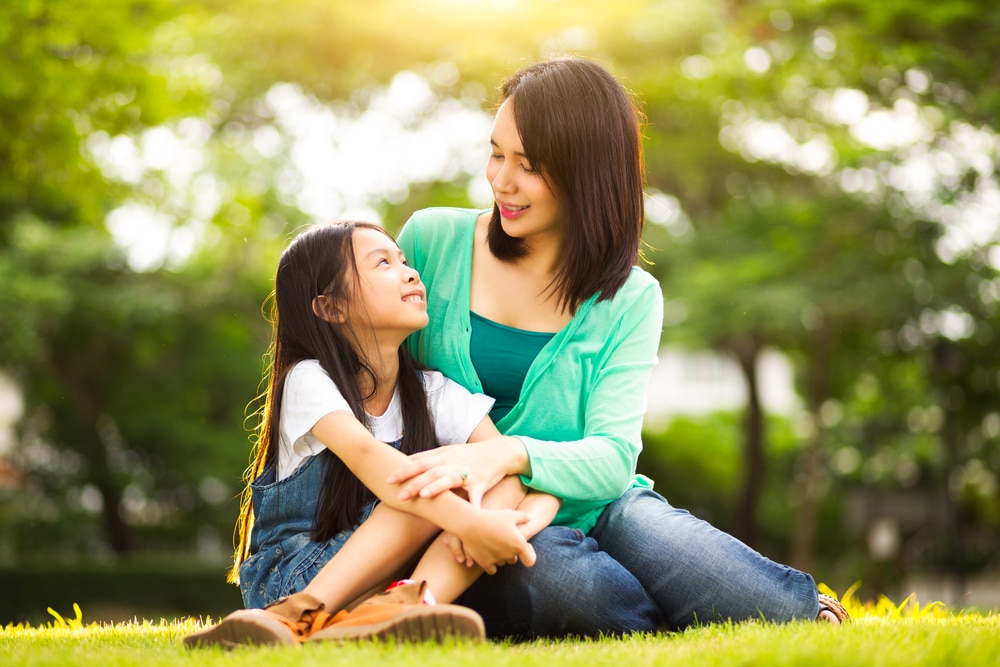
822, 209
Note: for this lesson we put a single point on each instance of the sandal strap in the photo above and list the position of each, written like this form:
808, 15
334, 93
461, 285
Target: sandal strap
832, 604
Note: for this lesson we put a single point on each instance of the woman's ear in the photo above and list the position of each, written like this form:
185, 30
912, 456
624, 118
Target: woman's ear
326, 309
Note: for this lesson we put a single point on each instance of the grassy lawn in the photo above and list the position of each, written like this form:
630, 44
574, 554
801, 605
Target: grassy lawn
882, 634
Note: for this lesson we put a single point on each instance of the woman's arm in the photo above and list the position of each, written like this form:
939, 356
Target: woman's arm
599, 462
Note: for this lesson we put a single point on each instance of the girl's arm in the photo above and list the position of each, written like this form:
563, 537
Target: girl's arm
541, 508
492, 536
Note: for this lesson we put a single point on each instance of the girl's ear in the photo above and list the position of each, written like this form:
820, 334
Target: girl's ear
326, 309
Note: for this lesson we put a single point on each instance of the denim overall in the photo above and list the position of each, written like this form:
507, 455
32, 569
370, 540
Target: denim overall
284, 558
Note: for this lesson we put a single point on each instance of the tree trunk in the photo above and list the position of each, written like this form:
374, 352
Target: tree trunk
809, 478
116, 531
747, 352
86, 411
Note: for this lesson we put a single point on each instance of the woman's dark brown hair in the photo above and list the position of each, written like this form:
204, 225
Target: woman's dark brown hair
581, 130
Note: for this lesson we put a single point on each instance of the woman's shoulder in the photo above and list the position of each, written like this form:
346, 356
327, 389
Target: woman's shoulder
430, 231
640, 285
442, 220
639, 298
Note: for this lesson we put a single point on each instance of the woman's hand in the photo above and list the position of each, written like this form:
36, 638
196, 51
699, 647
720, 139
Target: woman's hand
475, 467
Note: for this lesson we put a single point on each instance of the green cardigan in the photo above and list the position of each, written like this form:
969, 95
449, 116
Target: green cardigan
582, 404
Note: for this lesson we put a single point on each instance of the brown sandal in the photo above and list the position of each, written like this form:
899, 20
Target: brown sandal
832, 605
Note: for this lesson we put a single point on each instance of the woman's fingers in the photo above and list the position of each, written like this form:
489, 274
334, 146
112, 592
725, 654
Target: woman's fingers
444, 478
415, 465
429, 473
432, 482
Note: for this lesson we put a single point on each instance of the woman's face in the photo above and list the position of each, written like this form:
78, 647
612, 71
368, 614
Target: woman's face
529, 209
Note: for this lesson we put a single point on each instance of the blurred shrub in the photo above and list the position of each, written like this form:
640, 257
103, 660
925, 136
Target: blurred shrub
142, 589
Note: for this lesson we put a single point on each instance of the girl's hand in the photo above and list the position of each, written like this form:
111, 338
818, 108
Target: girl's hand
461, 554
454, 542
495, 539
475, 467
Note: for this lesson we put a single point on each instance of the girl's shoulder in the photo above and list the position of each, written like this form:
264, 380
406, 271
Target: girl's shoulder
307, 368
306, 375
433, 380
438, 385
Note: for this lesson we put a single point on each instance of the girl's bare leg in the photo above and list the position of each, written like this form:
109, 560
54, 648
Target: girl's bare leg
376, 553
446, 577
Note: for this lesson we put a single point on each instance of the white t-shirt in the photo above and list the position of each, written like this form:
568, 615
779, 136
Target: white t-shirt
310, 395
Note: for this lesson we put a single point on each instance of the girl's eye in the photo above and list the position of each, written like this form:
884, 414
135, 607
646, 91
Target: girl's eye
383, 261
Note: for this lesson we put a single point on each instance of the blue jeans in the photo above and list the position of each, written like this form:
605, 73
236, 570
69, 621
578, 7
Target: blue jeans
644, 564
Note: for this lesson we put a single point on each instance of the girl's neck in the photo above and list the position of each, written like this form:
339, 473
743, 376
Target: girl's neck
385, 366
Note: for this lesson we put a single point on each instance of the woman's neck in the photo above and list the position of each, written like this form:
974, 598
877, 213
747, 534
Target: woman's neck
517, 293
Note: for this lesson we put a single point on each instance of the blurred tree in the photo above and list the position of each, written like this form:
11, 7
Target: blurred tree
800, 136
134, 382
815, 170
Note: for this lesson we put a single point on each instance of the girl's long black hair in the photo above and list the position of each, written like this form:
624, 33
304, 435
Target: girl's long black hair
320, 262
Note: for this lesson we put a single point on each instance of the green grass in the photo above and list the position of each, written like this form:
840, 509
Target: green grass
882, 633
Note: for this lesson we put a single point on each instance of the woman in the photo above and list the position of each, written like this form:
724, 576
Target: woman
538, 303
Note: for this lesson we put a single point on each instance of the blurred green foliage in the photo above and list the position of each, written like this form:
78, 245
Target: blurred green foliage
822, 179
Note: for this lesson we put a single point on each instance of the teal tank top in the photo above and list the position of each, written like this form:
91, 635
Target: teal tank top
501, 356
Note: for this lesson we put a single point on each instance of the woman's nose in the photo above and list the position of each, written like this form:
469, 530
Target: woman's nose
501, 182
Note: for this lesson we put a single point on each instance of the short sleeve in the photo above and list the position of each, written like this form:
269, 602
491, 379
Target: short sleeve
456, 411
309, 396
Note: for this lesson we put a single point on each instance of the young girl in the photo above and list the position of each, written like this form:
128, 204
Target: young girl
341, 388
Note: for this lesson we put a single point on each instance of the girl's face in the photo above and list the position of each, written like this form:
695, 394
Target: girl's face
389, 297
529, 209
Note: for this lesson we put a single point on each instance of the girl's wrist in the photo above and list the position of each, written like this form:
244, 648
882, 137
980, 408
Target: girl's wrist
465, 517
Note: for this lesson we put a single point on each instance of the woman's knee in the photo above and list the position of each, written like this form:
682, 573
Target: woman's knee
575, 588
637, 510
